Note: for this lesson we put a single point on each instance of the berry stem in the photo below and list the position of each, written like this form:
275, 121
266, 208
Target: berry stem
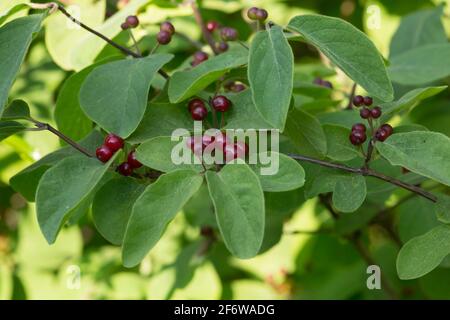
222, 119
352, 95
214, 115
368, 173
155, 48
369, 152
207, 36
135, 44
243, 44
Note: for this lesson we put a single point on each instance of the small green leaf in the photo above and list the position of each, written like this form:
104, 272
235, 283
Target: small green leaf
338, 143
8, 128
422, 254
77, 176
156, 153
288, 173
271, 75
305, 131
410, 99
349, 193
112, 205
348, 48
16, 110
422, 152
153, 211
409, 68
442, 208
185, 84
425, 25
15, 37
114, 95
239, 204
4, 15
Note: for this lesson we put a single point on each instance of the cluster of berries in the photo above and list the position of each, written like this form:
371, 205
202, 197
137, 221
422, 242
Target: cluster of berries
198, 110
166, 31
231, 150
358, 134
323, 83
130, 22
111, 145
257, 14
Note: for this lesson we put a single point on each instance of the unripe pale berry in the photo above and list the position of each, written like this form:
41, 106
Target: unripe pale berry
132, 21
168, 27
252, 13
113, 142
163, 37
134, 163
221, 103
365, 113
104, 153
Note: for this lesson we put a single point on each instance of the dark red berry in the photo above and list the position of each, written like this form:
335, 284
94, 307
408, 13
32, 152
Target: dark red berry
207, 140
163, 37
261, 15
368, 101
388, 128
358, 101
229, 34
113, 142
200, 56
168, 27
222, 46
195, 144
221, 103
125, 169
365, 113
252, 13
381, 135
212, 25
230, 152
132, 21
104, 153
195, 103
359, 127
134, 163
199, 113
357, 137
124, 26
375, 112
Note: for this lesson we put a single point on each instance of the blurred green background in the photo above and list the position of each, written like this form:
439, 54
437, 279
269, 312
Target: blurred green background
82, 265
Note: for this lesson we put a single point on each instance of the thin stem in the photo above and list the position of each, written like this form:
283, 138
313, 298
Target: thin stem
369, 152
222, 119
135, 44
243, 44
154, 49
367, 172
207, 36
352, 95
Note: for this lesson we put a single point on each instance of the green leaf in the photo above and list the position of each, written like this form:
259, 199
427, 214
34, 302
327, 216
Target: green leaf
418, 29
16, 110
410, 99
271, 75
112, 205
239, 204
422, 254
4, 15
156, 153
15, 37
161, 119
348, 48
442, 208
8, 128
26, 181
289, 174
349, 193
422, 152
339, 146
114, 95
185, 84
63, 37
421, 65
86, 50
77, 176
305, 131
153, 211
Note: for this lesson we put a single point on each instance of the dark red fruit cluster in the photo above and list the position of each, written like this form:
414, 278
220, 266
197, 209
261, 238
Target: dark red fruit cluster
257, 14
358, 135
231, 150
110, 146
384, 132
323, 83
126, 168
166, 31
197, 109
366, 112
199, 57
130, 22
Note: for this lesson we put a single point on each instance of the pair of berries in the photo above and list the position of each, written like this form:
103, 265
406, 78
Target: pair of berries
198, 109
323, 83
384, 132
126, 168
131, 22
166, 31
358, 135
220, 141
257, 14
222, 46
110, 146
365, 112
226, 33
199, 57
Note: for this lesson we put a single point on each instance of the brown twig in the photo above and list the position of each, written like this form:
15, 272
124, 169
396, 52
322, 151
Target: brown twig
207, 36
352, 95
